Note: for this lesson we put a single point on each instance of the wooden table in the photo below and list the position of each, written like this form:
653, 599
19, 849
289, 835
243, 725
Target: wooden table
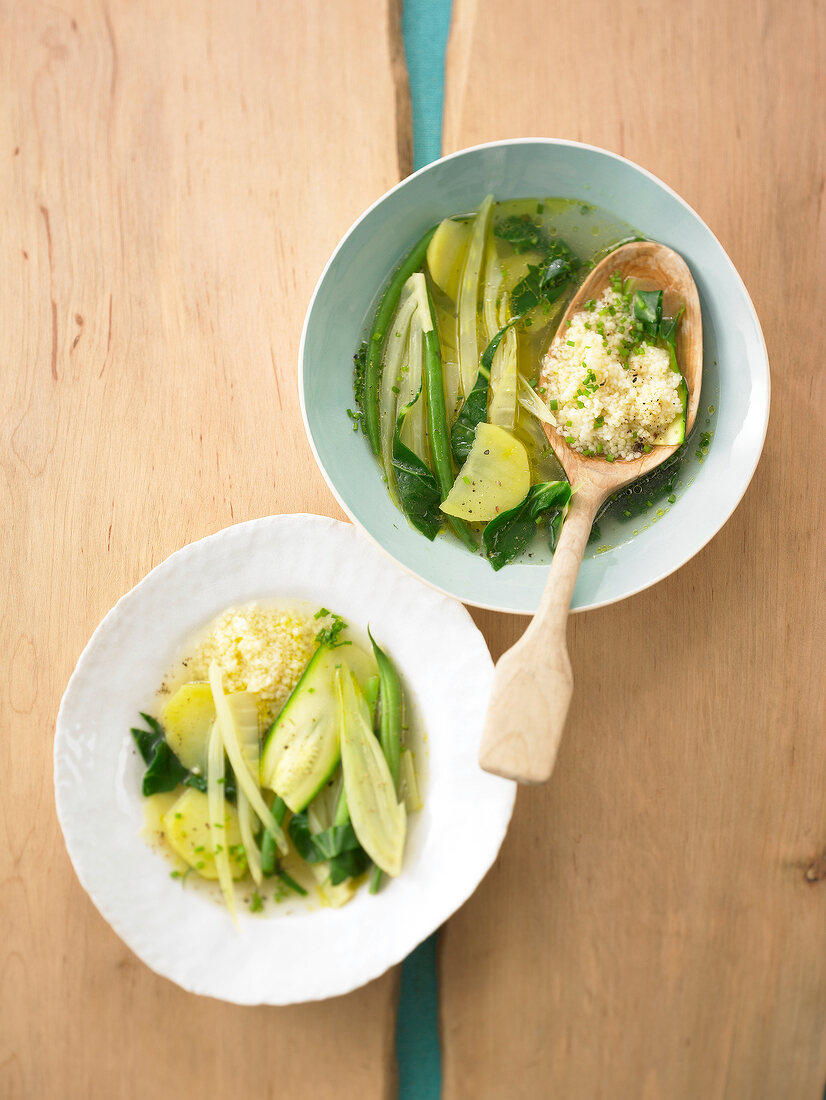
176, 175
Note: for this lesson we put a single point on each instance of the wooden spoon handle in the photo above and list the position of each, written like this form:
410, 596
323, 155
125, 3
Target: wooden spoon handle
532, 684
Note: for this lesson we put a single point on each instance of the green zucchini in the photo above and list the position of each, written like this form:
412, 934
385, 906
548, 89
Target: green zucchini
303, 746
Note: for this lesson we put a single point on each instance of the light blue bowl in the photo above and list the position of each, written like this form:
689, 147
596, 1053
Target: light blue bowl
735, 368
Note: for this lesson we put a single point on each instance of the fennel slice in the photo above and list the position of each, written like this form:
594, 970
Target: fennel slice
228, 731
378, 818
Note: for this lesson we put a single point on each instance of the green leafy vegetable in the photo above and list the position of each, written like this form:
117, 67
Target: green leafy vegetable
510, 532
418, 489
648, 309
472, 413
165, 771
337, 845
522, 234
668, 327
543, 283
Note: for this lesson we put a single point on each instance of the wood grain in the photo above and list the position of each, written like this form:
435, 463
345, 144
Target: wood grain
656, 924
175, 177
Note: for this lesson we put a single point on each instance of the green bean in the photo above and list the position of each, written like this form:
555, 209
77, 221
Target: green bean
371, 695
414, 260
438, 429
390, 725
390, 722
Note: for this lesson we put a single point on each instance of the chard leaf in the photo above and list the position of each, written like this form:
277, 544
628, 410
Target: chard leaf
668, 332
419, 492
487, 355
543, 283
164, 770
337, 846
648, 309
473, 412
510, 532
668, 327
349, 864
522, 234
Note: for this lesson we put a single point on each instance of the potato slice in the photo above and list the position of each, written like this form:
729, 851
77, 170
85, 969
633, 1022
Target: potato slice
496, 476
189, 833
446, 255
187, 719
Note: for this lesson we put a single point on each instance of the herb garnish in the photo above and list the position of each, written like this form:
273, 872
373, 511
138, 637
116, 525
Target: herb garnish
329, 635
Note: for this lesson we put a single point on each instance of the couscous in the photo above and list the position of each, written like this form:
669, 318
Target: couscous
260, 649
610, 392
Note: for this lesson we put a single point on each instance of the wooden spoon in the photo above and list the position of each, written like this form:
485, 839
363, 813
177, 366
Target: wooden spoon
533, 683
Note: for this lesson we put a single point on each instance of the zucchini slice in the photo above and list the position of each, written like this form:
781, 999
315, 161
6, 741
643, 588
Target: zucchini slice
302, 749
303, 746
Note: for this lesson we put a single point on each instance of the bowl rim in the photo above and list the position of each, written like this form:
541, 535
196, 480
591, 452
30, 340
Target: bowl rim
764, 373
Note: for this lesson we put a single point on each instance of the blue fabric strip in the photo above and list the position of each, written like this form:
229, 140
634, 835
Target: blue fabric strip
425, 25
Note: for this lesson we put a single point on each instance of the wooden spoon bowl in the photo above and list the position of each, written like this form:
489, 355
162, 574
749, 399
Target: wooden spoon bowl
533, 682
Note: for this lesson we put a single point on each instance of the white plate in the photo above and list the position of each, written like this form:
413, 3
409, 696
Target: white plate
183, 933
